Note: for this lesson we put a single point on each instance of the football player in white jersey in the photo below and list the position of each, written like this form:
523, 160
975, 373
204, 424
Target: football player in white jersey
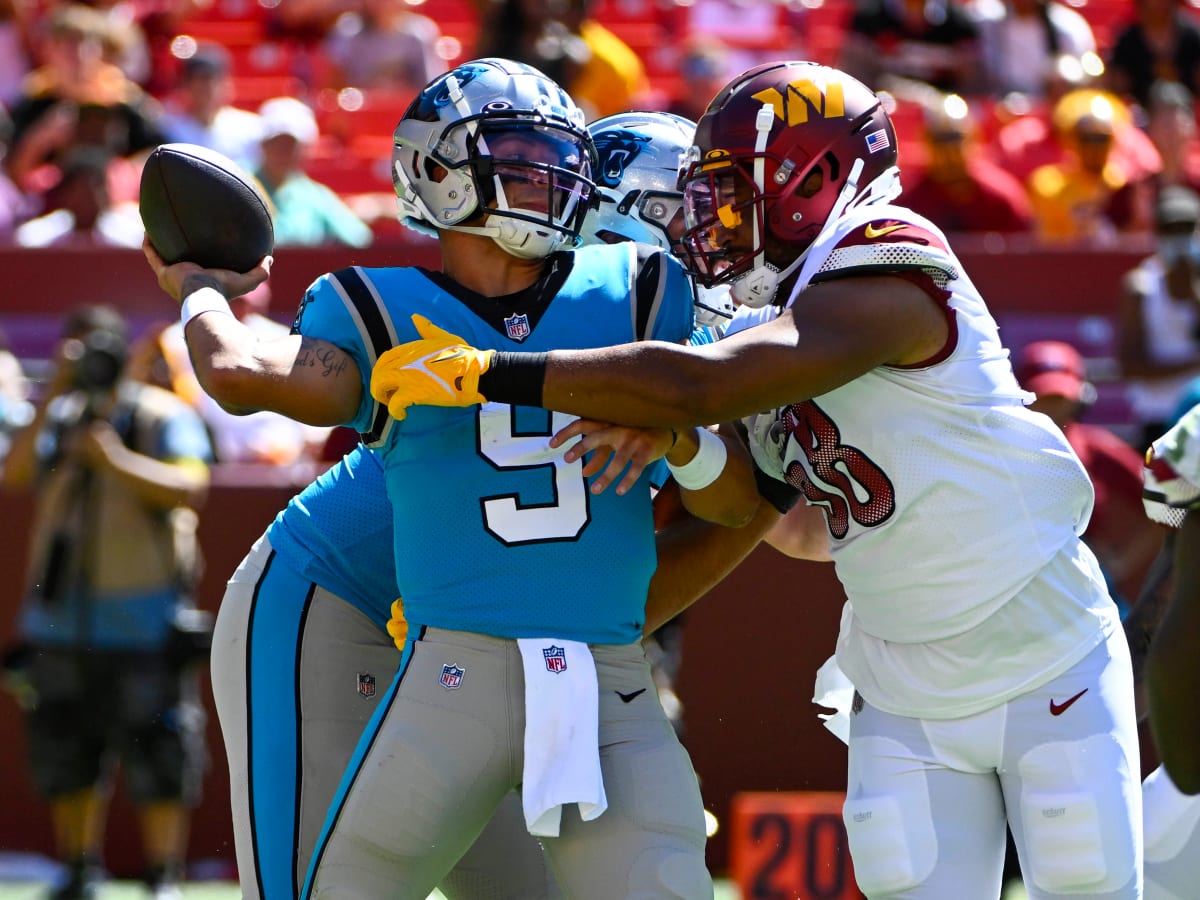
993, 679
1173, 666
1171, 793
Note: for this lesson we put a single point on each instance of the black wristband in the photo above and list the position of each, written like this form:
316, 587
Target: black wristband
514, 378
779, 494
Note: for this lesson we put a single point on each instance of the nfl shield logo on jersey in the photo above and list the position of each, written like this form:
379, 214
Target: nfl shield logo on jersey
556, 659
366, 685
452, 676
517, 326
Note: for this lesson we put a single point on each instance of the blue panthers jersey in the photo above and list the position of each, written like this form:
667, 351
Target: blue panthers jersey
494, 532
704, 334
337, 533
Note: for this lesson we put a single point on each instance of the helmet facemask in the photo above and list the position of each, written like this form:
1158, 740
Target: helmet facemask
645, 216
495, 148
534, 187
726, 242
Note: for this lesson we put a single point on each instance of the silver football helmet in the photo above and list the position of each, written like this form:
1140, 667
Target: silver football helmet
638, 199
495, 147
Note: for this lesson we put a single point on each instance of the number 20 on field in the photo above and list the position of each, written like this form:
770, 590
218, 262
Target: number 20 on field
791, 846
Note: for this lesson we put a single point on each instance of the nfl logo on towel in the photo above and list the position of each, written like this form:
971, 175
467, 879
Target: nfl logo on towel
517, 326
556, 659
366, 685
452, 676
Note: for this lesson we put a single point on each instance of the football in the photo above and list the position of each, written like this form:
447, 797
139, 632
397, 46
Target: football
200, 206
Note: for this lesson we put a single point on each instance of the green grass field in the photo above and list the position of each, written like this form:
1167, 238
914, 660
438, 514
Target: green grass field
128, 890
214, 890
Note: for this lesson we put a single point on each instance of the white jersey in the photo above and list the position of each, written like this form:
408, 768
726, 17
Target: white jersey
1172, 473
954, 512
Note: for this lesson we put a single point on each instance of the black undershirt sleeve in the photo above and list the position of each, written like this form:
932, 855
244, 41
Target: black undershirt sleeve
514, 378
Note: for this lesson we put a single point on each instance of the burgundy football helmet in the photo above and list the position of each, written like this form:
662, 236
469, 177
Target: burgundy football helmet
782, 151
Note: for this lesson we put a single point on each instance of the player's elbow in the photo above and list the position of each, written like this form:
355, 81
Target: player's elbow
731, 501
234, 387
686, 390
731, 512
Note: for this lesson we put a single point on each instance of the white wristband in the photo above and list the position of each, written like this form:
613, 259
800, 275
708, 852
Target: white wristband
202, 301
705, 467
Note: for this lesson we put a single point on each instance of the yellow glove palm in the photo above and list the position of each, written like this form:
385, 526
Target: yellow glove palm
397, 625
439, 369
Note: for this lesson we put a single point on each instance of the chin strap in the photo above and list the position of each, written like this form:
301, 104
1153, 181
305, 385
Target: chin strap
757, 286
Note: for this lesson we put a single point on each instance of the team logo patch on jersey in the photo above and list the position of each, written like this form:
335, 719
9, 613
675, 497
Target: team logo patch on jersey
517, 326
556, 659
366, 685
856, 705
452, 676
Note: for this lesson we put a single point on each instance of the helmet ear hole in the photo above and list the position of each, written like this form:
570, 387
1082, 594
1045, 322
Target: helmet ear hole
834, 168
812, 183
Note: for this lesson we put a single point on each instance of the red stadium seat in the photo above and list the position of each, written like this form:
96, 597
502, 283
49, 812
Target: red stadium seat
354, 113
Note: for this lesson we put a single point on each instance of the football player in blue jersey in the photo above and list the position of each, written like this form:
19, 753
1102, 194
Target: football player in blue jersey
301, 655
322, 575
524, 582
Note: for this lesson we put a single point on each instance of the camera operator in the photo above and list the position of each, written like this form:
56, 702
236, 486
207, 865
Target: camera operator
118, 469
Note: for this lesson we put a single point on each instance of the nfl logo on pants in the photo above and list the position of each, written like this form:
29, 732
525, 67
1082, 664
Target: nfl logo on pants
452, 676
366, 685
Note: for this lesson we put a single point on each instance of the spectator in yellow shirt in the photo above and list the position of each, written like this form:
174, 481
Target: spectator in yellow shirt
1089, 195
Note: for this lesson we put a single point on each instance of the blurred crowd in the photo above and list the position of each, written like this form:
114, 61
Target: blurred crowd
1073, 126
1063, 124
1015, 115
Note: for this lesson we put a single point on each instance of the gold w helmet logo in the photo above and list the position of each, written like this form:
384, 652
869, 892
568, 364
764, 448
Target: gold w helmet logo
801, 96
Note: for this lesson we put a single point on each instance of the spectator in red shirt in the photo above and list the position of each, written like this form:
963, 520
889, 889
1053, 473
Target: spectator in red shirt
1119, 533
960, 189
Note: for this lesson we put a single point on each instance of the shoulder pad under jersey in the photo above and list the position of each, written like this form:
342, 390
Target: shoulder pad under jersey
889, 244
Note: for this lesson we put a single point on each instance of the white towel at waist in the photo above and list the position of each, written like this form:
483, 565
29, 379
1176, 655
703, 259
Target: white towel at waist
834, 690
562, 733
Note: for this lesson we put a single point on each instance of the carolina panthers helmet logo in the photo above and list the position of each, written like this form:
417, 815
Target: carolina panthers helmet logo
437, 94
616, 150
